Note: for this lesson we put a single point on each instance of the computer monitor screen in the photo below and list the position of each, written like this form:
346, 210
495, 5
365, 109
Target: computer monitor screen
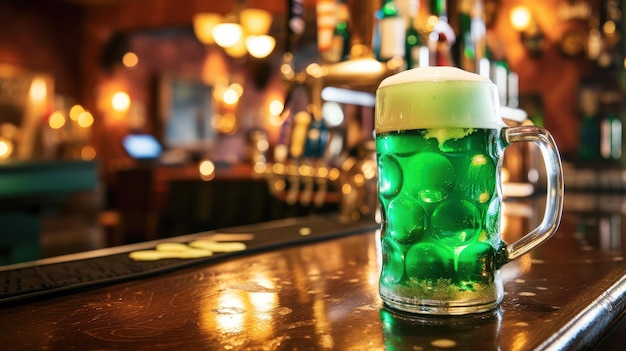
142, 146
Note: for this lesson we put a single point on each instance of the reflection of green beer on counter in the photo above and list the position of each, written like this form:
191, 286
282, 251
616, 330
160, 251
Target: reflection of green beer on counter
438, 148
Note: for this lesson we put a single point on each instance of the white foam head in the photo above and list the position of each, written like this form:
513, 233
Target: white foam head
436, 97
432, 74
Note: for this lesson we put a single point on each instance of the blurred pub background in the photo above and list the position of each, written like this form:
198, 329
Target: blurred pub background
130, 120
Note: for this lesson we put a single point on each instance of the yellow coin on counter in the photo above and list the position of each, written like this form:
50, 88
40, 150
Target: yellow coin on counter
146, 255
194, 253
195, 249
218, 246
172, 247
169, 250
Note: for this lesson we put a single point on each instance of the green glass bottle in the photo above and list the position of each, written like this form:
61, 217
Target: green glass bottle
340, 45
416, 54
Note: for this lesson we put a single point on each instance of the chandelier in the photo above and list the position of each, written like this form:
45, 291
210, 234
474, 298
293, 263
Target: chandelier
241, 33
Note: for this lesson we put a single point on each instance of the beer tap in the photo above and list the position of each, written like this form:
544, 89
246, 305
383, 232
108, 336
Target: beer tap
308, 163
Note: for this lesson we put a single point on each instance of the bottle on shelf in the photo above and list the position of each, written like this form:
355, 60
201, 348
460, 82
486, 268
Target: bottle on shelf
506, 79
416, 54
484, 64
326, 19
499, 77
589, 131
611, 125
389, 40
442, 37
340, 45
316, 139
469, 49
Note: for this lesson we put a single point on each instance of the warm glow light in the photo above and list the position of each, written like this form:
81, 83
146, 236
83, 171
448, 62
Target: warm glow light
203, 24
369, 169
279, 185
260, 46
332, 113
56, 120
322, 172
594, 44
238, 88
276, 107
6, 148
227, 34
305, 170
130, 59
520, 18
430, 23
504, 175
237, 34
85, 120
226, 123
346, 189
120, 102
278, 168
75, 112
230, 97
315, 70
287, 71
608, 28
38, 90
229, 312
207, 170
334, 174
238, 50
255, 21
87, 153
359, 179
262, 145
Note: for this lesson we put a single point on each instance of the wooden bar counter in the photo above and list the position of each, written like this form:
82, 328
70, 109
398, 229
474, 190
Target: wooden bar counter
311, 284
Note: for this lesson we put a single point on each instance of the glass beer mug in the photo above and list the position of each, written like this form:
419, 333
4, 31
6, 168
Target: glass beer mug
439, 145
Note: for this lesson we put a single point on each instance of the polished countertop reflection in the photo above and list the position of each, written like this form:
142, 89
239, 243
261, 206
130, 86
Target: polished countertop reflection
323, 295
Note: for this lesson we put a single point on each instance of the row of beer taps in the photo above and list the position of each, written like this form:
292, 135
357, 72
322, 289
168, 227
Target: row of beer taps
310, 164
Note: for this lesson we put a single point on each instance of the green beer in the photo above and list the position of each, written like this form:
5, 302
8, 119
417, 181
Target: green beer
439, 142
441, 211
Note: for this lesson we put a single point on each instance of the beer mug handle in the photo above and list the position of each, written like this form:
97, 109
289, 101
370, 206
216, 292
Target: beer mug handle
554, 199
